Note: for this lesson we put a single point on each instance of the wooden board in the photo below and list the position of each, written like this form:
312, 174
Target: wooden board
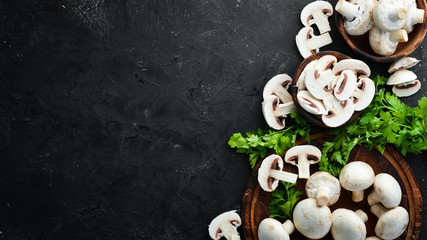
255, 200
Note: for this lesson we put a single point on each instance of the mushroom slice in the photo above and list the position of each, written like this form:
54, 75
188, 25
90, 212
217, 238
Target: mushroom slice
401, 76
345, 85
317, 13
356, 177
304, 155
309, 44
275, 112
403, 63
348, 225
391, 222
326, 62
278, 86
310, 103
323, 187
373, 238
339, 112
358, 15
312, 221
301, 79
225, 225
271, 229
355, 65
390, 15
406, 89
318, 83
415, 15
363, 94
385, 43
271, 172
386, 191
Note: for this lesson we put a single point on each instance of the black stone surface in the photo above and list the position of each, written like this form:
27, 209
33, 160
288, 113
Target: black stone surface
115, 114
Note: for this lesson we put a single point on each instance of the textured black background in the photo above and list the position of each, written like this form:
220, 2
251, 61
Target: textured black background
115, 114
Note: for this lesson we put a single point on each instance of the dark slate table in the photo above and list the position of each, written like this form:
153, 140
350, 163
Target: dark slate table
115, 114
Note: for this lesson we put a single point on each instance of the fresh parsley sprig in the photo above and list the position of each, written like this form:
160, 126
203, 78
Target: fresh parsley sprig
284, 201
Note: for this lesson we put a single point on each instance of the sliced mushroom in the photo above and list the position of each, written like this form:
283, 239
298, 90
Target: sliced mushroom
275, 112
225, 225
358, 15
278, 85
310, 103
326, 62
317, 13
301, 79
318, 83
390, 15
391, 223
309, 44
386, 191
270, 172
363, 94
407, 89
415, 15
355, 65
271, 229
356, 177
345, 85
302, 156
385, 43
339, 112
401, 76
310, 220
323, 187
348, 225
373, 238
403, 63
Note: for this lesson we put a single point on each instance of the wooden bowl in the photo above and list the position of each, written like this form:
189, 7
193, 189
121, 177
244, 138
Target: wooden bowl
360, 44
294, 90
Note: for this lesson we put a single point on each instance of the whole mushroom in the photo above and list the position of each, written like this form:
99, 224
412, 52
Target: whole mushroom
317, 13
357, 15
308, 43
302, 156
385, 43
271, 229
323, 187
270, 172
415, 15
225, 225
390, 15
348, 225
312, 221
391, 222
357, 176
386, 191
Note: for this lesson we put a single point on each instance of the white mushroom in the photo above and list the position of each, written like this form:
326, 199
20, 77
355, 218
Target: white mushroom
407, 89
346, 85
338, 112
302, 156
323, 187
318, 82
312, 221
301, 79
355, 65
278, 85
386, 191
358, 15
310, 103
385, 43
373, 238
391, 223
390, 15
363, 94
326, 62
404, 83
357, 176
415, 15
275, 112
271, 229
403, 63
317, 13
309, 44
348, 225
225, 225
270, 172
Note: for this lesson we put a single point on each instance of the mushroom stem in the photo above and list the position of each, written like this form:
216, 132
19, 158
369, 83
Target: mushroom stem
347, 9
284, 176
418, 15
357, 196
316, 42
399, 36
398, 14
362, 215
321, 21
229, 231
284, 109
373, 198
283, 94
378, 210
289, 227
303, 167
322, 196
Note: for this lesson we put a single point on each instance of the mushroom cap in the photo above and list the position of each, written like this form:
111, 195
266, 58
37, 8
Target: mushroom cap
312, 153
363, 21
339, 112
347, 225
278, 86
271, 229
387, 190
401, 76
390, 15
355, 65
366, 93
403, 63
310, 103
406, 89
310, 220
392, 223
301, 40
215, 226
346, 85
324, 180
269, 163
356, 176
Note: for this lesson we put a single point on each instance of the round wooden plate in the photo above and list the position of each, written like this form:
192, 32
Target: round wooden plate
256, 201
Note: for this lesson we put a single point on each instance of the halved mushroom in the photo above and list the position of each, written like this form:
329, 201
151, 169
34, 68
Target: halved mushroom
358, 15
355, 65
403, 63
401, 76
415, 15
363, 94
317, 13
385, 43
348, 225
271, 229
386, 191
310, 103
323, 187
270, 172
310, 220
405, 83
339, 112
346, 85
278, 85
275, 112
302, 156
390, 15
318, 83
356, 177
225, 225
301, 79
391, 223
309, 44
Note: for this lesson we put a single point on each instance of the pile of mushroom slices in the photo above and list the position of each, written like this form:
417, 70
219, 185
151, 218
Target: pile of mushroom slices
388, 21
315, 13
334, 90
404, 82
